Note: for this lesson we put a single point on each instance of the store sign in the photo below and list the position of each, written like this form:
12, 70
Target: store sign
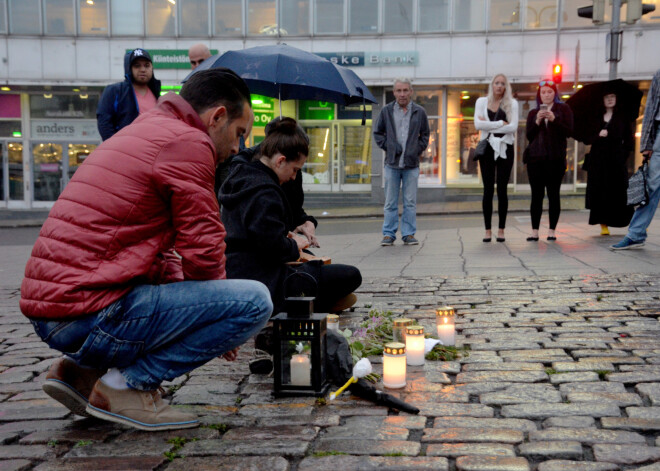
64, 129
371, 59
308, 109
264, 110
171, 58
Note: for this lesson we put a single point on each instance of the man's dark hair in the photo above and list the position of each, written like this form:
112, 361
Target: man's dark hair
214, 87
287, 138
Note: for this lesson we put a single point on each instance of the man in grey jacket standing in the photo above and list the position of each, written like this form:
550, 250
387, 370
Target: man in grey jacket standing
650, 148
402, 131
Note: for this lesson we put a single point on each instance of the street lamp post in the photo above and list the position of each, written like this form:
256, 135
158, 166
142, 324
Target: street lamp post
614, 39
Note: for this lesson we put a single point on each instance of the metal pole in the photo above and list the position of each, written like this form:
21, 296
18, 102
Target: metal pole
559, 25
615, 38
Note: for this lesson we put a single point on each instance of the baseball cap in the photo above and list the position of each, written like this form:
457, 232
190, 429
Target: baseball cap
139, 53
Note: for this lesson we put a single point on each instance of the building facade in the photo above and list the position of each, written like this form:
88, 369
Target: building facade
58, 55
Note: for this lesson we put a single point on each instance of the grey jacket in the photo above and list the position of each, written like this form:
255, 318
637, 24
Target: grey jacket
650, 112
418, 135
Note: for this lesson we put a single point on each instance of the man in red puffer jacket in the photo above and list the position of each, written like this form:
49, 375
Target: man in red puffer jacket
127, 277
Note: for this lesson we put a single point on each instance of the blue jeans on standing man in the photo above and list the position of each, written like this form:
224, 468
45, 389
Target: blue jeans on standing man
405, 178
644, 215
160, 332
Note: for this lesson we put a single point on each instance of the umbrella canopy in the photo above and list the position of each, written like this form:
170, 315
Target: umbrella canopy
288, 73
587, 104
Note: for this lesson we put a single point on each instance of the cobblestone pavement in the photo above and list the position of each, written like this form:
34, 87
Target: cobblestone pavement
562, 373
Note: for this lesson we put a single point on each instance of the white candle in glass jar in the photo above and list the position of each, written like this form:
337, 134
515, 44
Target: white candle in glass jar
415, 345
394, 365
333, 322
300, 370
446, 326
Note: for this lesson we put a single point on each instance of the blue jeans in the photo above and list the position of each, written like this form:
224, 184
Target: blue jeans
160, 332
405, 178
644, 215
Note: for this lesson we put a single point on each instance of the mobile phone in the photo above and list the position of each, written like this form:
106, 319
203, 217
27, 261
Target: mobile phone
543, 107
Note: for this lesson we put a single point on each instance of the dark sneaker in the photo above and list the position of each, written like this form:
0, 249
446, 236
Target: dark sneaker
627, 243
387, 240
71, 385
144, 410
261, 363
410, 240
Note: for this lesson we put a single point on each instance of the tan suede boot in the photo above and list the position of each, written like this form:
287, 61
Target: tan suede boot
71, 385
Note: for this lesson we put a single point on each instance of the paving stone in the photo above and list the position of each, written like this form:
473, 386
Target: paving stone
16, 377
620, 399
580, 376
463, 410
522, 393
471, 435
29, 426
368, 447
544, 356
650, 391
583, 365
146, 446
543, 411
540, 450
287, 448
230, 463
66, 436
593, 387
587, 436
651, 467
570, 422
566, 465
275, 410
626, 423
491, 463
643, 412
110, 463
41, 452
454, 450
372, 463
317, 420
469, 422
26, 410
626, 454
287, 432
480, 388
634, 377
504, 366
502, 376
15, 465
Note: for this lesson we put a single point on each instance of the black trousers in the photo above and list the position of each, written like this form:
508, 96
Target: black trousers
330, 283
491, 171
545, 175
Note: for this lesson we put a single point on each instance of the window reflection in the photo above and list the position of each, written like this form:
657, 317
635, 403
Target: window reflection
160, 17
363, 16
77, 155
505, 14
22, 17
294, 16
59, 17
194, 17
541, 14
228, 17
93, 17
469, 15
570, 18
329, 16
3, 18
398, 16
433, 15
262, 18
127, 17
47, 171
15, 170
653, 17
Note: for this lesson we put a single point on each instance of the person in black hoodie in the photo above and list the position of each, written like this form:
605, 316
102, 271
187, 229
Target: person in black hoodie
260, 223
122, 102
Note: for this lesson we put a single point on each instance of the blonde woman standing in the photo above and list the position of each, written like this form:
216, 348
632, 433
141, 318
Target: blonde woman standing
496, 116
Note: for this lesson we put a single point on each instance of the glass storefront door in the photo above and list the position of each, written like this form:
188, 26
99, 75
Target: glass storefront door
11, 174
317, 170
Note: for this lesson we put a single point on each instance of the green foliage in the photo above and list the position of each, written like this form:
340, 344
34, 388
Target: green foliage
443, 353
599, 297
222, 428
551, 371
371, 335
52, 443
395, 453
171, 455
178, 443
602, 373
320, 454
320, 401
82, 443
238, 400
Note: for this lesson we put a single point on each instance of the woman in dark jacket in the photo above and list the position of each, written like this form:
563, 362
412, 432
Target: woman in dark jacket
259, 224
607, 174
548, 127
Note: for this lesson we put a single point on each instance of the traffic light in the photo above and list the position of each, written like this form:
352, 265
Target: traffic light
596, 12
635, 10
556, 73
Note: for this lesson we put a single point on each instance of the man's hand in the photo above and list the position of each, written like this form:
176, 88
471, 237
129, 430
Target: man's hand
302, 242
308, 230
602, 133
231, 355
647, 155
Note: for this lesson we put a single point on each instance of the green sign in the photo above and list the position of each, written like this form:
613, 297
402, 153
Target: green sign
316, 110
263, 108
171, 58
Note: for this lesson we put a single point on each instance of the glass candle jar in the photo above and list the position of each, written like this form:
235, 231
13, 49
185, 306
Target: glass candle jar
415, 345
399, 329
394, 365
444, 317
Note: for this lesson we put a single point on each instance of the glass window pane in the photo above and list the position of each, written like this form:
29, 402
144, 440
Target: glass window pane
398, 16
228, 17
261, 17
10, 128
15, 170
329, 16
462, 136
363, 16
127, 17
541, 14
504, 14
3, 17
469, 15
654, 16
77, 155
294, 17
570, 18
47, 171
63, 106
59, 17
160, 18
194, 16
94, 17
24, 16
433, 15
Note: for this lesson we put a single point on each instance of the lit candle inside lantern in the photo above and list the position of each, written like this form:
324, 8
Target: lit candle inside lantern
394, 365
444, 317
300, 370
415, 345
333, 322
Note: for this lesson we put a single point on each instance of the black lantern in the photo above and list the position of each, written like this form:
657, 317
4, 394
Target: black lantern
300, 349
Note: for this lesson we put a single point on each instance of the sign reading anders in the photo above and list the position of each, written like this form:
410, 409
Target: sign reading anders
171, 58
63, 129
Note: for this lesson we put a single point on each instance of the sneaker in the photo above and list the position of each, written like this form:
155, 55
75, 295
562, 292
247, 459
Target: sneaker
144, 410
71, 385
264, 340
410, 240
387, 240
627, 243
261, 363
343, 303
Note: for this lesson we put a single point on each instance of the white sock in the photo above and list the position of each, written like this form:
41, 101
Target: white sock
115, 379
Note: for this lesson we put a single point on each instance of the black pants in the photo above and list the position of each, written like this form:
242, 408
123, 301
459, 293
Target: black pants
333, 282
489, 169
545, 175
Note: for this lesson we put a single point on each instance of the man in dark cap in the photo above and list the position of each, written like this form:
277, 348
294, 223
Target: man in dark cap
122, 102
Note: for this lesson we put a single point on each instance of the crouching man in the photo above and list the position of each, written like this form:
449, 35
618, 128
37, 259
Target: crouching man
127, 277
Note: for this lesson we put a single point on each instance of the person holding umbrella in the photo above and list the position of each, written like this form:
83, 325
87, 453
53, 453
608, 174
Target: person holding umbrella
548, 127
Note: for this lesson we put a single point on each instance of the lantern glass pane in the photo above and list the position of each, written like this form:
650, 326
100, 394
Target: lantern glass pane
296, 362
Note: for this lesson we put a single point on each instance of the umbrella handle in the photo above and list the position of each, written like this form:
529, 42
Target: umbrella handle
364, 106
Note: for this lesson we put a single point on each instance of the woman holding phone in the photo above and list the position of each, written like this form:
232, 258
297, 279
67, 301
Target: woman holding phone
548, 127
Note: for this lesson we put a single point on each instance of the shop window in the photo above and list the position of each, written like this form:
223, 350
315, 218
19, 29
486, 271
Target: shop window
363, 16
430, 163
570, 19
469, 15
294, 17
505, 14
47, 171
3, 17
541, 14
228, 17
24, 17
262, 18
398, 16
433, 16
194, 16
59, 17
462, 136
51, 105
329, 16
15, 170
160, 17
94, 17
77, 155
127, 18
10, 128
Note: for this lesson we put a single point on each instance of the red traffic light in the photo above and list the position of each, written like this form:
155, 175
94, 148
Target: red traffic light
557, 73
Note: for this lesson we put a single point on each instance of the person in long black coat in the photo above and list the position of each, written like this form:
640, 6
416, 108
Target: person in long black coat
259, 223
607, 174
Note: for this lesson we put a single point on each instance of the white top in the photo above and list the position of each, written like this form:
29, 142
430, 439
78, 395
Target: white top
487, 126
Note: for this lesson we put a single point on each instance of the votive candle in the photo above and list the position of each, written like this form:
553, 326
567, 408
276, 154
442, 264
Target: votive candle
394, 365
415, 345
444, 317
300, 370
399, 329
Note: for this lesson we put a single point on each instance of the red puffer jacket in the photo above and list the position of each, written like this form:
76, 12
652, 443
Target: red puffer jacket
139, 196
